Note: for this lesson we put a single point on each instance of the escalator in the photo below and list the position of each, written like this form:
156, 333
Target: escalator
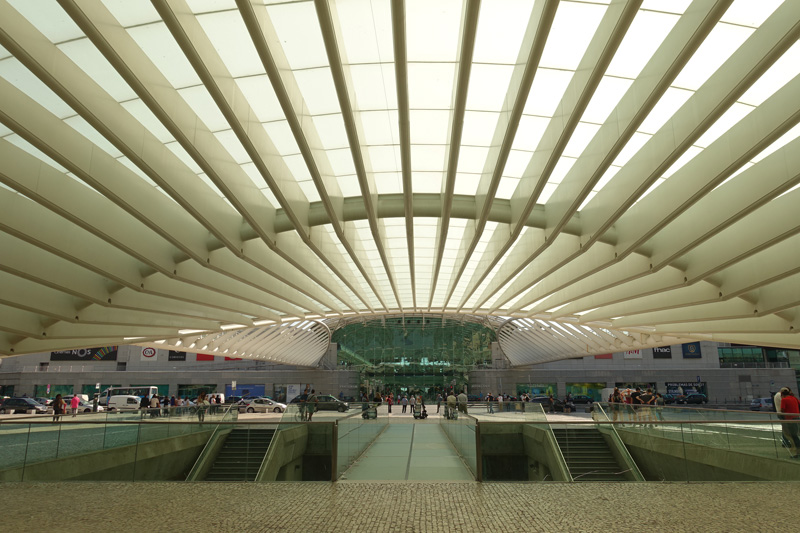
241, 455
588, 456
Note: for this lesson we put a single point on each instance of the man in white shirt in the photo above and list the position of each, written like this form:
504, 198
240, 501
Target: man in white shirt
412, 402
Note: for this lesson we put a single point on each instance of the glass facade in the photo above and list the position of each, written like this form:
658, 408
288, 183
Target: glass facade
419, 355
740, 354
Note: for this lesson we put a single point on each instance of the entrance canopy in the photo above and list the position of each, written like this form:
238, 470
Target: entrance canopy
607, 174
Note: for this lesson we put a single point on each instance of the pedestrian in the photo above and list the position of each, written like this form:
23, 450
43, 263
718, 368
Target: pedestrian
659, 402
412, 402
155, 405
58, 408
647, 401
636, 403
462, 402
404, 403
74, 403
551, 403
389, 402
450, 408
439, 401
500, 403
490, 403
202, 405
790, 407
311, 404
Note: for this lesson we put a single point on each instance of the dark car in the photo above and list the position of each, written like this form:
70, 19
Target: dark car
582, 399
325, 402
695, 399
669, 398
21, 405
558, 405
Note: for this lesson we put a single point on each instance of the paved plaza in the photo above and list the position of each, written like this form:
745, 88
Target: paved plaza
374, 507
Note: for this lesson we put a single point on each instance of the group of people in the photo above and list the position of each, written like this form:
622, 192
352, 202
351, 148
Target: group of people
157, 406
636, 405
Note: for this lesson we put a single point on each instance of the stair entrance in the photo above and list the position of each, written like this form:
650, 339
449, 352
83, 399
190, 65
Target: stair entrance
241, 455
588, 456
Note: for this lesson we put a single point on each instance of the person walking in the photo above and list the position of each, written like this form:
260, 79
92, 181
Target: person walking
74, 403
615, 401
659, 402
404, 403
450, 408
438, 402
389, 402
202, 405
58, 408
413, 403
155, 405
500, 403
311, 404
490, 403
462, 402
790, 407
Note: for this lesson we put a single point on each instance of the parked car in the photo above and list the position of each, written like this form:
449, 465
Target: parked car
22, 405
325, 402
44, 401
123, 402
582, 399
669, 398
695, 398
762, 404
558, 405
261, 405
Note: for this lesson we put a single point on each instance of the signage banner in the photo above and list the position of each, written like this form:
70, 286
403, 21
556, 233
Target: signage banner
633, 354
107, 353
691, 350
205, 357
662, 352
293, 390
177, 356
604, 356
149, 354
233, 358
682, 388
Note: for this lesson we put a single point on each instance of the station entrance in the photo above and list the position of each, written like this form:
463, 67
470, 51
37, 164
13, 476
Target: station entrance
421, 355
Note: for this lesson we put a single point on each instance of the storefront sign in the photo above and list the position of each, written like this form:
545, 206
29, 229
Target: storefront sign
662, 352
177, 356
107, 353
691, 350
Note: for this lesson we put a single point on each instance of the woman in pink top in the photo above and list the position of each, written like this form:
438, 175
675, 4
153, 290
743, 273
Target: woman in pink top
74, 403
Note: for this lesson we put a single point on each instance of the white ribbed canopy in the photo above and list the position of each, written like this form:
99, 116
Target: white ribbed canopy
625, 167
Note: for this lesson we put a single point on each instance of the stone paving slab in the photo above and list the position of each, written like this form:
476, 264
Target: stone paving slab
404, 507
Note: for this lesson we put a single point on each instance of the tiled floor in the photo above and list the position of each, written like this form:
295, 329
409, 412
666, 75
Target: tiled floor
412, 451
376, 507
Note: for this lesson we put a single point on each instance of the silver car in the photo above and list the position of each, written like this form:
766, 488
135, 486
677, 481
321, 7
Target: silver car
261, 405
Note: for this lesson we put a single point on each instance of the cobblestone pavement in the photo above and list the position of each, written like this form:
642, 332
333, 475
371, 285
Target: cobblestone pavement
375, 507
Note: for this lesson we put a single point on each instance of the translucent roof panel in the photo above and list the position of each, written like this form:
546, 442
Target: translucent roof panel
444, 183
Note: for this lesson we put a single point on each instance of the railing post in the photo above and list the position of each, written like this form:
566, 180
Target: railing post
334, 450
478, 453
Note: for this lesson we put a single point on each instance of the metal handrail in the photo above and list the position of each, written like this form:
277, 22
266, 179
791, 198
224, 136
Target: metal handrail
634, 468
204, 452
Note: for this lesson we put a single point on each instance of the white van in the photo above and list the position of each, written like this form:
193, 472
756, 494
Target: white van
123, 403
